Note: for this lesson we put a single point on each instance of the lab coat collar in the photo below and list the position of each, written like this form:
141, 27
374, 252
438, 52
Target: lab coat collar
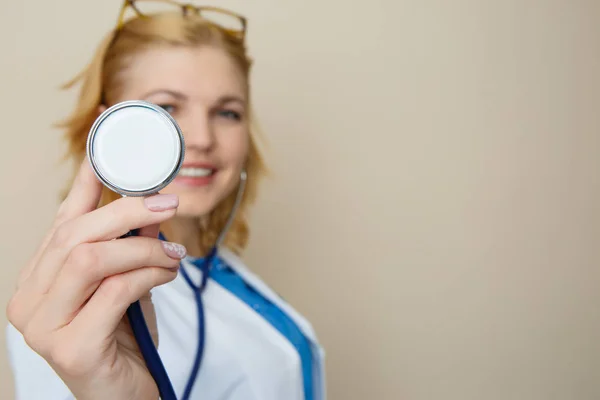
235, 263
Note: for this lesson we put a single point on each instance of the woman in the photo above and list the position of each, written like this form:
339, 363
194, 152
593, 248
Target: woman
68, 336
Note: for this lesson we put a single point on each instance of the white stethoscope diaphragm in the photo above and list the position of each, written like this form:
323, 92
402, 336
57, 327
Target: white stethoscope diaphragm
136, 148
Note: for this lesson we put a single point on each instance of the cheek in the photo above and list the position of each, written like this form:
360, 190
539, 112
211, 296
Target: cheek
234, 149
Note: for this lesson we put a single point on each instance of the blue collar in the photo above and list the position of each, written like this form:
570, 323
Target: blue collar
198, 262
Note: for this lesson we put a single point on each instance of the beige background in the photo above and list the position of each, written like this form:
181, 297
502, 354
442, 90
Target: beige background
436, 206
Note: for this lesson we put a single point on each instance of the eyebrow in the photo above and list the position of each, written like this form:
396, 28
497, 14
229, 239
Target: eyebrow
173, 93
180, 96
231, 98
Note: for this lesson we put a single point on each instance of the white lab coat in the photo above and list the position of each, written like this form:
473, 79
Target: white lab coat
245, 358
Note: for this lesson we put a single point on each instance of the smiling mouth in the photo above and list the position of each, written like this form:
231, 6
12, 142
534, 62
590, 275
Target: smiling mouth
196, 172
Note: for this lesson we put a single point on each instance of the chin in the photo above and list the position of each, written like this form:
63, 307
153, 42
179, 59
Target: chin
194, 206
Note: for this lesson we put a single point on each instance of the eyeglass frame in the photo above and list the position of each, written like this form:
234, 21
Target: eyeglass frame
185, 8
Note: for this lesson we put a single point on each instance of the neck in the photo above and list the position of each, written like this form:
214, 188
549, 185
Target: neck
185, 231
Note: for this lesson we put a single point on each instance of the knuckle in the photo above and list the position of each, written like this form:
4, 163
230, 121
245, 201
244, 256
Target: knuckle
67, 357
151, 255
62, 235
116, 288
123, 213
36, 338
83, 259
14, 311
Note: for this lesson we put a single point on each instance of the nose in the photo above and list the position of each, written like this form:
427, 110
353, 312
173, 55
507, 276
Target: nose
198, 131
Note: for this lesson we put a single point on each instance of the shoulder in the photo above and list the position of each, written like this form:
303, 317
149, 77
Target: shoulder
252, 279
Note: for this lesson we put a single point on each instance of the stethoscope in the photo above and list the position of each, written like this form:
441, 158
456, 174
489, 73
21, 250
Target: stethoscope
136, 148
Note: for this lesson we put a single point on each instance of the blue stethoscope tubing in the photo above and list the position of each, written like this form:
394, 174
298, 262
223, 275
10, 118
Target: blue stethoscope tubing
142, 333
147, 348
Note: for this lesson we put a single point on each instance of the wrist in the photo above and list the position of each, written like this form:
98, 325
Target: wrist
113, 390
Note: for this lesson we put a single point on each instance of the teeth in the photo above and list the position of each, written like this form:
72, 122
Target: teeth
195, 172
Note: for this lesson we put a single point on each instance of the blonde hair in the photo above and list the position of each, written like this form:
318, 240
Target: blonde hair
102, 79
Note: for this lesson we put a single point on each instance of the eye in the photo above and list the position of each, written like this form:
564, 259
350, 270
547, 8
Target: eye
167, 107
230, 114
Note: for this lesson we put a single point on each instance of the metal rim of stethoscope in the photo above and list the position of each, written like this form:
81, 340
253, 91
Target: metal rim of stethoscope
94, 130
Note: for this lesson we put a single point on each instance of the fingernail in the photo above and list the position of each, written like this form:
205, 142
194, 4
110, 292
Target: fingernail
174, 250
161, 202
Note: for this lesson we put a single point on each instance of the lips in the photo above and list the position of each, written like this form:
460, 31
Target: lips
196, 174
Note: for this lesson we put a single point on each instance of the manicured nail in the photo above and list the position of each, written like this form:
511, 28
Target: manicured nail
174, 250
162, 202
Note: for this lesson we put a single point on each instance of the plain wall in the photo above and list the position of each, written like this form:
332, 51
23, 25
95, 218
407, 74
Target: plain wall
435, 204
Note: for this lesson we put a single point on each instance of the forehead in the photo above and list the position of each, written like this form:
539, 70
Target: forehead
204, 73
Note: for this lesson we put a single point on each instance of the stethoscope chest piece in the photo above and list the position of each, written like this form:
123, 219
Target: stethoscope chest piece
135, 148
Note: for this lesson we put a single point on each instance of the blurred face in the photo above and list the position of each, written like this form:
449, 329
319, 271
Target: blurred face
206, 94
